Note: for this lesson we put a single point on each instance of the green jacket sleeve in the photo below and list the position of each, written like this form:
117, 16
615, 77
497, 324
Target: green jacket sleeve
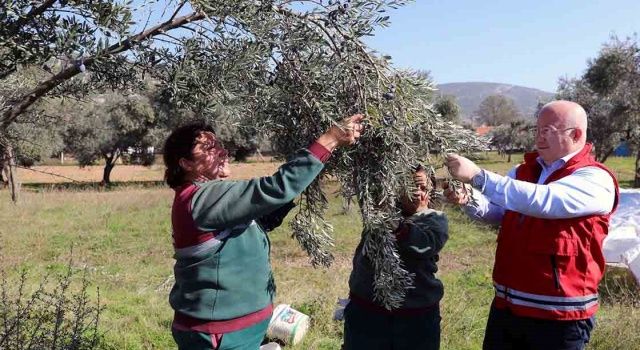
223, 204
423, 234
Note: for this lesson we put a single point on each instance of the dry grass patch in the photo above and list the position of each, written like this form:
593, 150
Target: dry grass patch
123, 173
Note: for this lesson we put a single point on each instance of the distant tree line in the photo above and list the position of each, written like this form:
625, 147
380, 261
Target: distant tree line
111, 128
609, 90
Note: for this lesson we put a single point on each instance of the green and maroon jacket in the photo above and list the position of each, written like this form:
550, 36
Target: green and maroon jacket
223, 275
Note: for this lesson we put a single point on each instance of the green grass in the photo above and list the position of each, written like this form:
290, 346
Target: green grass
623, 168
123, 238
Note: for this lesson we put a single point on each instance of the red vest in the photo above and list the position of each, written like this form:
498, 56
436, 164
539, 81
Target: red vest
550, 268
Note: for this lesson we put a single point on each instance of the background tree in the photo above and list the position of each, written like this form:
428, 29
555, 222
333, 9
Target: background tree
615, 74
516, 136
497, 110
241, 142
34, 143
110, 126
447, 106
609, 90
35, 137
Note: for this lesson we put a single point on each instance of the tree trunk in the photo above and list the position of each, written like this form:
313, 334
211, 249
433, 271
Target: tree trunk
3, 181
106, 174
509, 157
602, 156
346, 205
12, 176
636, 180
110, 163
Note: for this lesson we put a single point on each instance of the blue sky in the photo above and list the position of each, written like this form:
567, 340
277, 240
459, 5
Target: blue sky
528, 43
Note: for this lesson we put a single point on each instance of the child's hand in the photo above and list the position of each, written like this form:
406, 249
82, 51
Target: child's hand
459, 196
421, 180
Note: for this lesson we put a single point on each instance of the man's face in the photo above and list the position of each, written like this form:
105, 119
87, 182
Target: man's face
210, 159
554, 138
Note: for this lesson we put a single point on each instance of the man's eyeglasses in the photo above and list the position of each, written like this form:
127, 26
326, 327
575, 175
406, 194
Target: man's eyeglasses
548, 130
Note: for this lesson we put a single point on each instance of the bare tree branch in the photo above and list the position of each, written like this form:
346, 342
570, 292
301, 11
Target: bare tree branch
24, 102
35, 11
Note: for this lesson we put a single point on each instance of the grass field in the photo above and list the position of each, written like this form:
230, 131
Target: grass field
123, 239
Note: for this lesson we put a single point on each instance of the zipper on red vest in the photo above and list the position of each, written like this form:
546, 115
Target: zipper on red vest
554, 267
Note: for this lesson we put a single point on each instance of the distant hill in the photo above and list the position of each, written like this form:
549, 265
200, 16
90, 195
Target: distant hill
471, 94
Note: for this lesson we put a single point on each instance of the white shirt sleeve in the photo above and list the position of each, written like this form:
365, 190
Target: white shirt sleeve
588, 191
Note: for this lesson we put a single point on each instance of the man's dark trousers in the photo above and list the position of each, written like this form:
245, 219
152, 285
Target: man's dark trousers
507, 331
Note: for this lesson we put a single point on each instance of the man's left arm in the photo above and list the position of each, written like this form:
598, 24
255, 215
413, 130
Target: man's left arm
588, 191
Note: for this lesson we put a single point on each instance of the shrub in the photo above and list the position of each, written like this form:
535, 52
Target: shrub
53, 316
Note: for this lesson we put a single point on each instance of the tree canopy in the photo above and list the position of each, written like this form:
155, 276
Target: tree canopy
284, 69
109, 126
448, 108
516, 136
497, 110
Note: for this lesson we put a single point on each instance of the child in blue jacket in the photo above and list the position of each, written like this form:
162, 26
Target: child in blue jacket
416, 324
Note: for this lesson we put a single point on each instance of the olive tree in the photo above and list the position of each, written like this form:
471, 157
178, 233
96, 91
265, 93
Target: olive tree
43, 44
279, 68
513, 137
497, 110
293, 74
35, 137
609, 90
448, 108
108, 127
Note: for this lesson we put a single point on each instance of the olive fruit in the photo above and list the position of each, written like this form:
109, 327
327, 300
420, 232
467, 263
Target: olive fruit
388, 96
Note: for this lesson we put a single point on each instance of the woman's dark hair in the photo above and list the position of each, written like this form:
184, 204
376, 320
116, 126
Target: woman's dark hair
180, 145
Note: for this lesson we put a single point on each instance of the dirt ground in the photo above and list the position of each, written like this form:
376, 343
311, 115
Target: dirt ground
58, 174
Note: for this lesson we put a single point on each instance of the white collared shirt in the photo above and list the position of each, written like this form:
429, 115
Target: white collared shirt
589, 190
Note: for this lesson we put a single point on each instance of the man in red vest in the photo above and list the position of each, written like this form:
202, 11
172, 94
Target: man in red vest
554, 212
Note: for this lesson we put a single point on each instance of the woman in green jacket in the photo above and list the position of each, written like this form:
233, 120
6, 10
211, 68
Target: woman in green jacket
224, 286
